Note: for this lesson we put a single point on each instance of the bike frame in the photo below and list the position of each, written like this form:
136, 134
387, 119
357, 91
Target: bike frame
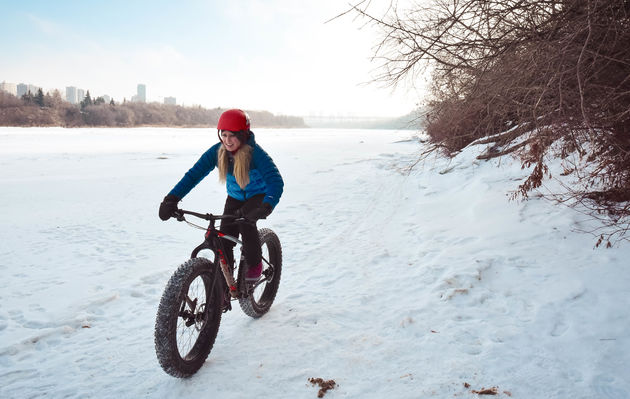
214, 242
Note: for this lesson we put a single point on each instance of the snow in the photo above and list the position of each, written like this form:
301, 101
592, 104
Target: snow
404, 285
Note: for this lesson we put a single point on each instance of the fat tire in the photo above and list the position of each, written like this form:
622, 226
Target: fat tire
256, 308
166, 323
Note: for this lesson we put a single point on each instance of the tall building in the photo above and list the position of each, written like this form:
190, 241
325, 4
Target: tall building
9, 88
170, 100
80, 95
142, 93
33, 89
22, 89
71, 94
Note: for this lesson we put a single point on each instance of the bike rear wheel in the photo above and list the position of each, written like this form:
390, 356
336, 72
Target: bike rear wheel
260, 299
188, 318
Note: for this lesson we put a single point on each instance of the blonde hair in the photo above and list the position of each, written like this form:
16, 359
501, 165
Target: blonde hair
242, 159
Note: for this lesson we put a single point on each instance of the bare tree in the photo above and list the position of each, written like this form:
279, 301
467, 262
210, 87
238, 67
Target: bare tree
538, 79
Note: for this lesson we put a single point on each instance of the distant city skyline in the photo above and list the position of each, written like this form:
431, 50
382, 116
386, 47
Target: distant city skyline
278, 55
75, 95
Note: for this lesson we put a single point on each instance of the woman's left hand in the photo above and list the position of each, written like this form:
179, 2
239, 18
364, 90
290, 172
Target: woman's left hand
260, 212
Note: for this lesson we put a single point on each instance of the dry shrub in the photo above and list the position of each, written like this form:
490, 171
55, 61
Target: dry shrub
539, 79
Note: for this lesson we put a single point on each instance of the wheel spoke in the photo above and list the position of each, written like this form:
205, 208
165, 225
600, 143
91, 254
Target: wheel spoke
191, 323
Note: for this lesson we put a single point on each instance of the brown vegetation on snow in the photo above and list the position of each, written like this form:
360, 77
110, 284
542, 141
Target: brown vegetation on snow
324, 385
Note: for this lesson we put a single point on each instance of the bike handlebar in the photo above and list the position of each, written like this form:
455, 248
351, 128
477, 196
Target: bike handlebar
179, 215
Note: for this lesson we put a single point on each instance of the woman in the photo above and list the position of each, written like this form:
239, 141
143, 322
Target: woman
253, 183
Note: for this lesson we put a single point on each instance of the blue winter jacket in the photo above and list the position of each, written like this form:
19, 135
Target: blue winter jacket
264, 177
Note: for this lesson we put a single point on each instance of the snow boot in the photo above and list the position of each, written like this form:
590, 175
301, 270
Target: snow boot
253, 273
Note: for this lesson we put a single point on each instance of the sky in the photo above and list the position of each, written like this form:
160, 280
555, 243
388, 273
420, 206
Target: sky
277, 55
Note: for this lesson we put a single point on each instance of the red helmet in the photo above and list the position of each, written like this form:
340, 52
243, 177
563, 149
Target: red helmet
234, 120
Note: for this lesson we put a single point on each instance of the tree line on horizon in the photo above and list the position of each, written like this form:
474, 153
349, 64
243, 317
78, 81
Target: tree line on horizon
48, 109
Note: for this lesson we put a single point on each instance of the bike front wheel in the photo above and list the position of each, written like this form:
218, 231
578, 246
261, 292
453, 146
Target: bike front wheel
188, 318
261, 297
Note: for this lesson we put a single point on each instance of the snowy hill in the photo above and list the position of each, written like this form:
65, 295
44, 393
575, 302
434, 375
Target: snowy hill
398, 285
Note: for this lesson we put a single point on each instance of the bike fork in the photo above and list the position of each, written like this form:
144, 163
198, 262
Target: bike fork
229, 277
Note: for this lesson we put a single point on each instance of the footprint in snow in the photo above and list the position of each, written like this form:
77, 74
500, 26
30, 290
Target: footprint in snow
604, 386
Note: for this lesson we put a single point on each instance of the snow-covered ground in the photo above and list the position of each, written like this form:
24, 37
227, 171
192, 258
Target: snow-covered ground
395, 285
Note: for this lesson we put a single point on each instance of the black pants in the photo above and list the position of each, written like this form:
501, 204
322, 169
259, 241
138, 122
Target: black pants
249, 232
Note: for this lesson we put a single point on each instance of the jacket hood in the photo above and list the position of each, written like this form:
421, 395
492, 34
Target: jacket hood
251, 141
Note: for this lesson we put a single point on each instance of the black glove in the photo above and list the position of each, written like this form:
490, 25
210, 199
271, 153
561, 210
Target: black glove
168, 206
260, 212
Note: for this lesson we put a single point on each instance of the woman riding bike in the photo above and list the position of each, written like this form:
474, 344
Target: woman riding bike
253, 183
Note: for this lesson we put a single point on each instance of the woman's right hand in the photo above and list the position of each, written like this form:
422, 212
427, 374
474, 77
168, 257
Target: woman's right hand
168, 207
